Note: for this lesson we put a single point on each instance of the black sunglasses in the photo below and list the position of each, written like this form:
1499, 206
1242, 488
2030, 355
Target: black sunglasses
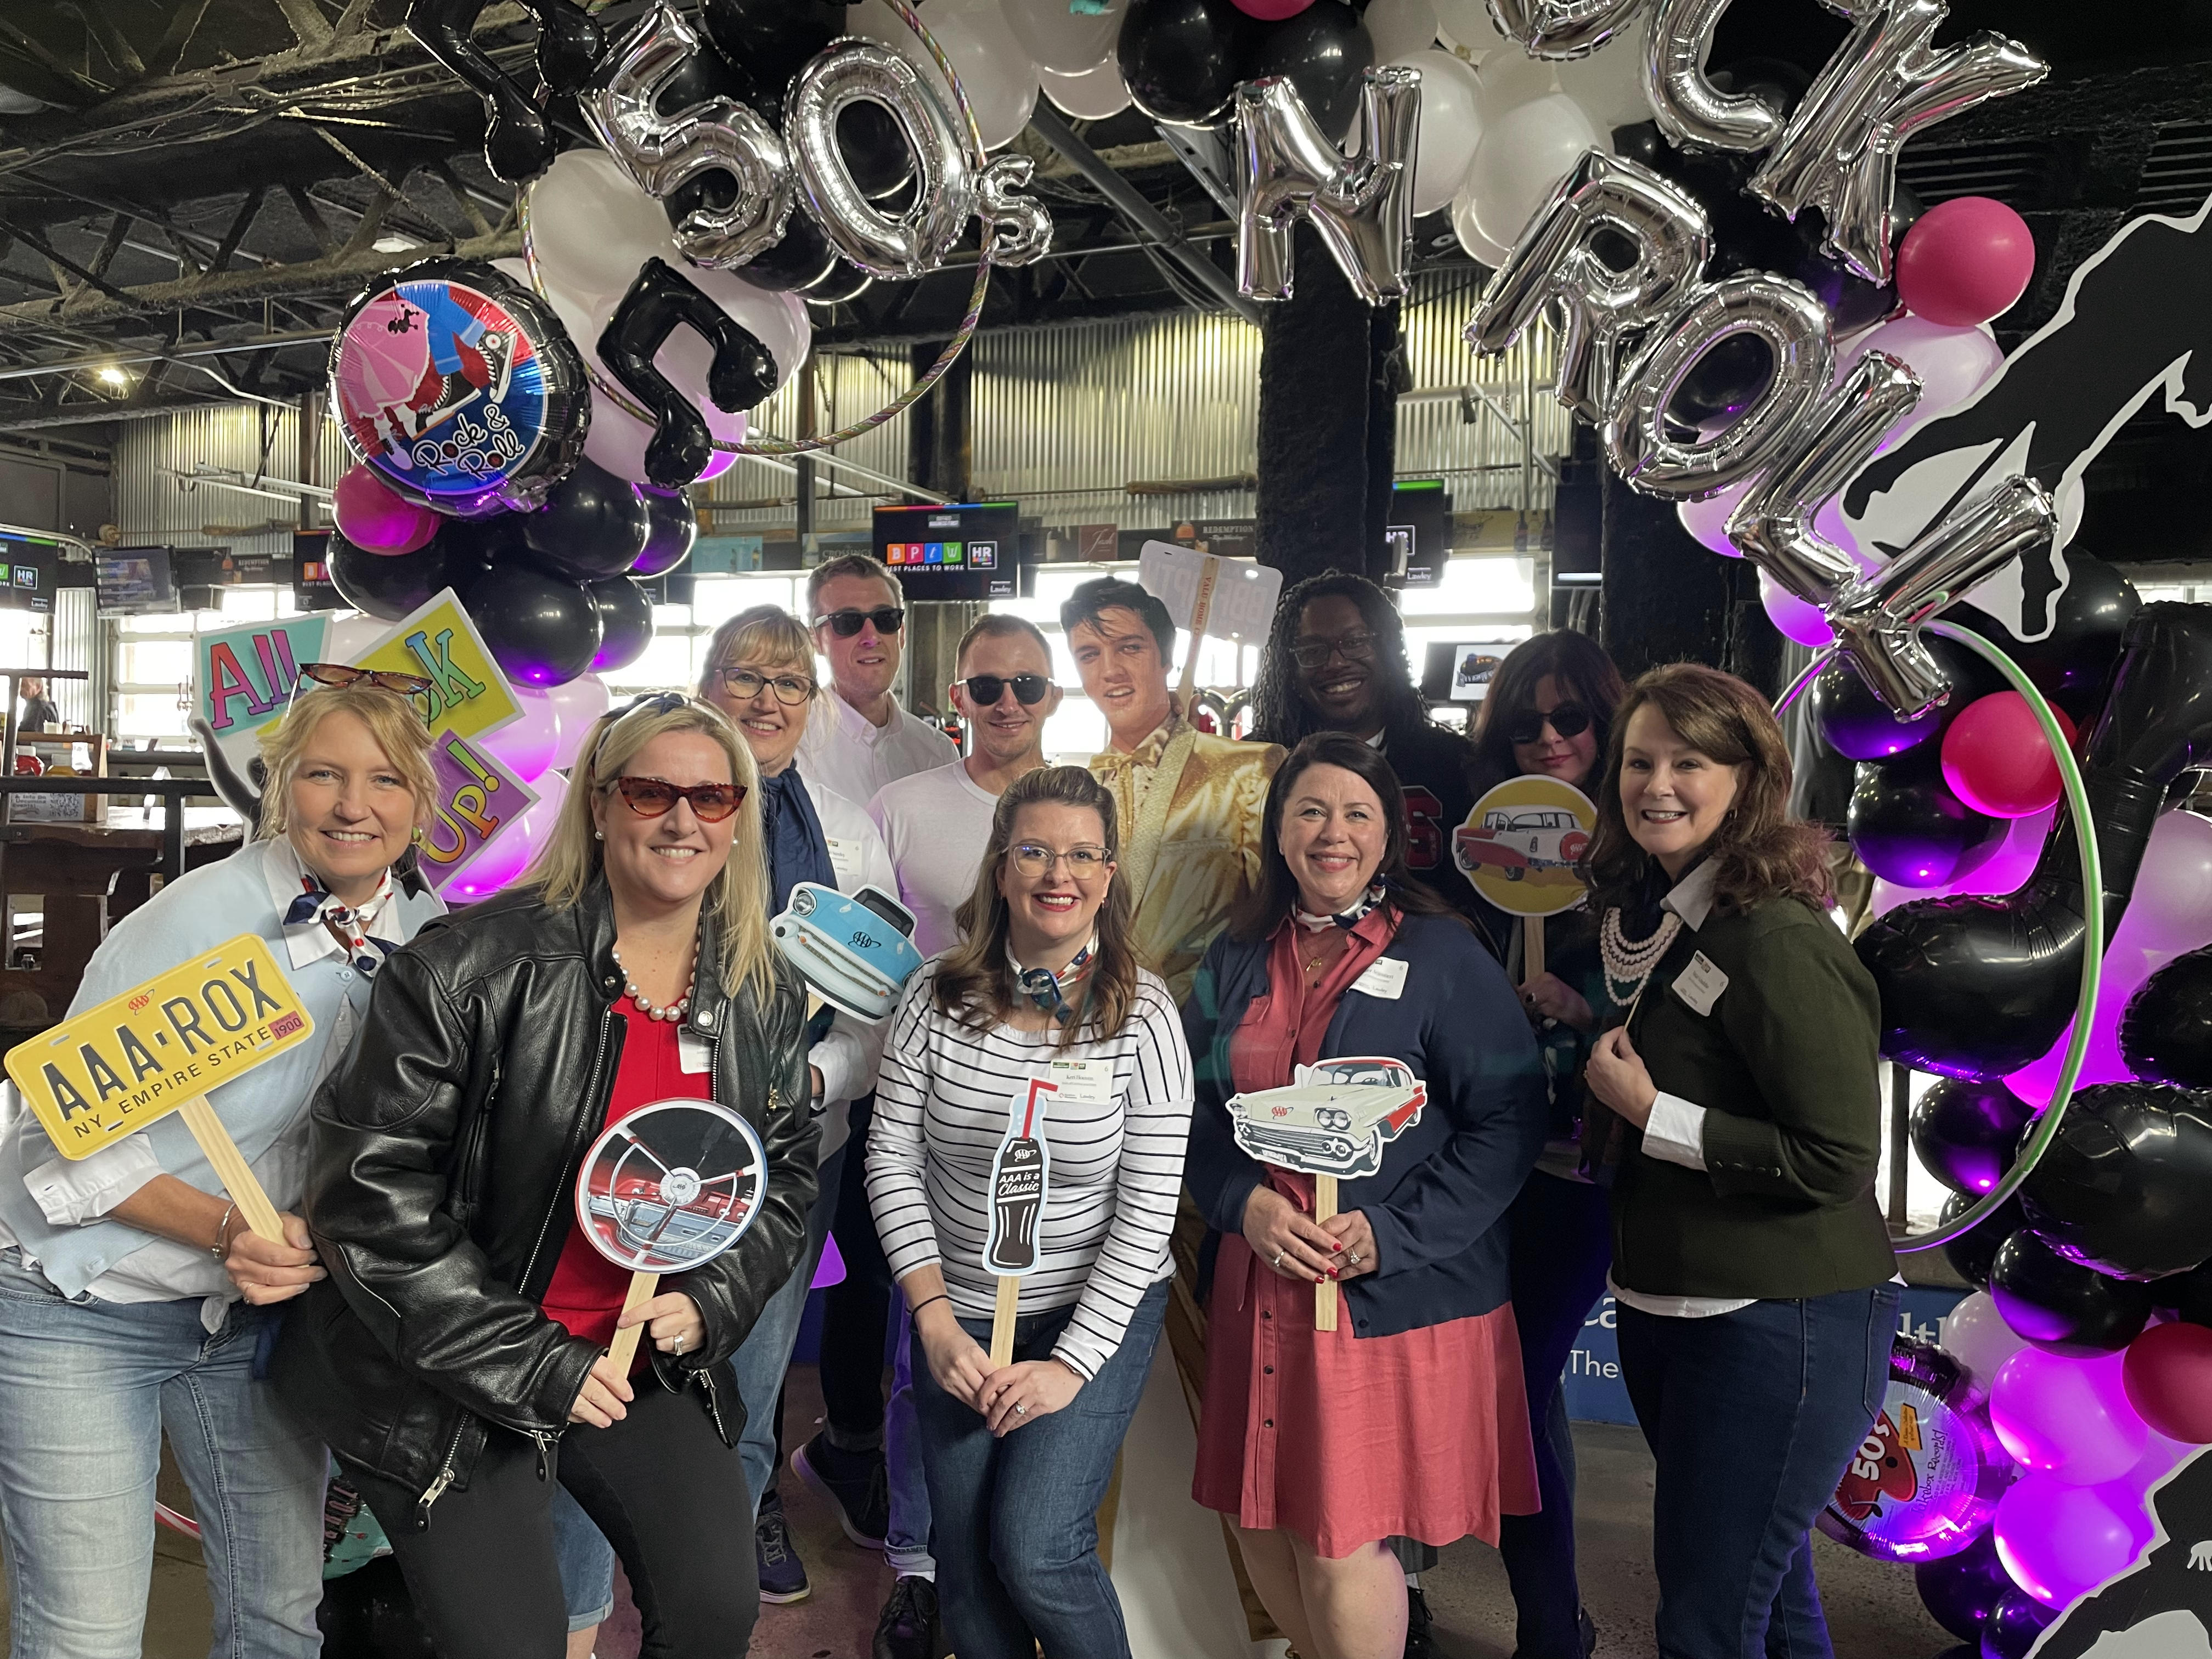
888, 619
1569, 720
984, 690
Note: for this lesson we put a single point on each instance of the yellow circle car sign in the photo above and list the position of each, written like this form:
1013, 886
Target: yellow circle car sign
1521, 843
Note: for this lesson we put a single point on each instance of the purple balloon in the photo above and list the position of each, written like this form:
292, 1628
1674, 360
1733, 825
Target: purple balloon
1960, 1590
2059, 1542
1967, 1131
2068, 1418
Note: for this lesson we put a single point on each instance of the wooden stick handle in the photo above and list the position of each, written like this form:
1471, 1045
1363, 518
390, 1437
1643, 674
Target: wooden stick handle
1201, 613
623, 1349
1324, 1292
1532, 948
1002, 1320
231, 1168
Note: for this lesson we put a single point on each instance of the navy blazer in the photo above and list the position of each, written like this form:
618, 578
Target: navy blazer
1437, 1206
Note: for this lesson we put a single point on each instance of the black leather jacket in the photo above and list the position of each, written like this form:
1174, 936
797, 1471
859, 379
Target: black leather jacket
444, 1158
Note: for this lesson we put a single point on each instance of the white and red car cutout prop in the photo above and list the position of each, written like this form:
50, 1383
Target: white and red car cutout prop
1334, 1120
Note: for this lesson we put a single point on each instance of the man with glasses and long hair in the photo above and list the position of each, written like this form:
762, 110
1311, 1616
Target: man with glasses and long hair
864, 739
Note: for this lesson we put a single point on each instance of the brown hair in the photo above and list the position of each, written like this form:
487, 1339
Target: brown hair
1261, 911
1759, 853
849, 564
973, 984
997, 624
1581, 672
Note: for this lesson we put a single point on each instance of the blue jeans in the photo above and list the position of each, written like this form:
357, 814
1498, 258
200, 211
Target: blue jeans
1752, 1416
1016, 1519
86, 1389
906, 1540
1562, 1242
765, 1354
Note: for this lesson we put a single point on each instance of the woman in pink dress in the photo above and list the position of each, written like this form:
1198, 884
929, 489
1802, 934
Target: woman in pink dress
1410, 1419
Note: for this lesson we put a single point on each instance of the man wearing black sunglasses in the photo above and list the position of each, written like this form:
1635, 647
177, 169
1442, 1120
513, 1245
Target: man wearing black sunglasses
861, 739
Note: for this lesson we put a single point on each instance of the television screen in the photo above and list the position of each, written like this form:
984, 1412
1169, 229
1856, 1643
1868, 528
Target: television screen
312, 586
1419, 534
970, 551
30, 569
135, 581
1459, 671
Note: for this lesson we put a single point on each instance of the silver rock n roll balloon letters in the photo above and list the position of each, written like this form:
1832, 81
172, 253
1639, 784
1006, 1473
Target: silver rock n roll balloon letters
1361, 206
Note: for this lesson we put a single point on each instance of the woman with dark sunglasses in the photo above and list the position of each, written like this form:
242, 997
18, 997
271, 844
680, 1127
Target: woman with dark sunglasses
456, 1360
1549, 713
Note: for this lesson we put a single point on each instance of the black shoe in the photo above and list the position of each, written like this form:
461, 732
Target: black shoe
908, 1628
1589, 1627
1420, 1642
782, 1574
856, 1484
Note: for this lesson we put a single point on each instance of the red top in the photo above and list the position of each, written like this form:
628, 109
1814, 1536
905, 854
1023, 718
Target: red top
587, 1289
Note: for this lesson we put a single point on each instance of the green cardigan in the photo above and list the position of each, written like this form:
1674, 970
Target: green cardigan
1785, 1064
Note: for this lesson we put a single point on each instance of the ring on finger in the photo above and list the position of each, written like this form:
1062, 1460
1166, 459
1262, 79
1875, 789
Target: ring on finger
1021, 1410
1277, 1261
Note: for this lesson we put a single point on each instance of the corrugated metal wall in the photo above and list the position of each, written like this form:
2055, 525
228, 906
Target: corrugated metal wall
1064, 419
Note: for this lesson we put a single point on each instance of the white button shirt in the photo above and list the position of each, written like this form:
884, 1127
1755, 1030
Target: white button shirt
846, 752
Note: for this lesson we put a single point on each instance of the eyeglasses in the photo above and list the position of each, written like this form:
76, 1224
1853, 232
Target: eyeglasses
791, 690
1353, 648
1084, 862
888, 619
652, 798
984, 690
341, 675
1569, 720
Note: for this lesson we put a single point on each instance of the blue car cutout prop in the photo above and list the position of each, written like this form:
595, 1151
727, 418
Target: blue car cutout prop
857, 951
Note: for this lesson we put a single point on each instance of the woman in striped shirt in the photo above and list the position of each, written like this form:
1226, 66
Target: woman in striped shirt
1031, 1117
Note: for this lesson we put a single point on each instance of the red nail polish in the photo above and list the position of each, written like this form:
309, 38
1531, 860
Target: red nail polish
1338, 1245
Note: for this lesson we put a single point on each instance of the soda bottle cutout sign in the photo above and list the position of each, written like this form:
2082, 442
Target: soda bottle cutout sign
1020, 1171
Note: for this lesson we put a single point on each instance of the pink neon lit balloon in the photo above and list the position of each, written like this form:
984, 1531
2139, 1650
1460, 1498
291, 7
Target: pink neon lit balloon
376, 519
2006, 870
1966, 261
1797, 619
2058, 1541
2068, 1418
1271, 11
1996, 759
1707, 520
575, 706
526, 744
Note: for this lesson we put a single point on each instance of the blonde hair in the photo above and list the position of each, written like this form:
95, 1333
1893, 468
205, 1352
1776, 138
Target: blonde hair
394, 721
736, 902
766, 633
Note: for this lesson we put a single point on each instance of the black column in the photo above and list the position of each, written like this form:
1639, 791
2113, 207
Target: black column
938, 433
1328, 422
1667, 599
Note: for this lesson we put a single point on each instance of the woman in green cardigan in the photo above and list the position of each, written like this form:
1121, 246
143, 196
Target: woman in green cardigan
1751, 1263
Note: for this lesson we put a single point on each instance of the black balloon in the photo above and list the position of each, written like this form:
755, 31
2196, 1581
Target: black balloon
875, 149
1322, 51
2061, 1306
1724, 382
625, 622
2013, 1625
1859, 725
1960, 1590
674, 525
1642, 143
1971, 1254
2166, 1035
743, 373
594, 526
387, 586
2189, 1295
541, 629
2126, 1185
2072, 663
569, 42
1182, 59
1907, 827
367, 1613
1967, 1132
773, 39
517, 144
841, 282
804, 255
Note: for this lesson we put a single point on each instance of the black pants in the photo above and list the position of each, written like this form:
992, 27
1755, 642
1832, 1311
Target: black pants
658, 1484
856, 1310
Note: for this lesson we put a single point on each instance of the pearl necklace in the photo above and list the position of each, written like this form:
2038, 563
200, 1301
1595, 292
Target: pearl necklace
1627, 966
674, 1011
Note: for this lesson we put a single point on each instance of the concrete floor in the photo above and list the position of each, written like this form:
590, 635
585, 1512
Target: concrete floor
1872, 1608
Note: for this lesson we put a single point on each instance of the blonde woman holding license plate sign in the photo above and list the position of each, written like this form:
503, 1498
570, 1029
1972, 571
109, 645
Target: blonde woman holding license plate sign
133, 1296
1031, 1118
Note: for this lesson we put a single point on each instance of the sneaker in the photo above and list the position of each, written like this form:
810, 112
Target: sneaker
908, 1629
782, 1574
1420, 1642
855, 1485
497, 350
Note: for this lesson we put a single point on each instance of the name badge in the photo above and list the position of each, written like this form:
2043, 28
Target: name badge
1700, 984
1385, 978
844, 858
1081, 1082
693, 1054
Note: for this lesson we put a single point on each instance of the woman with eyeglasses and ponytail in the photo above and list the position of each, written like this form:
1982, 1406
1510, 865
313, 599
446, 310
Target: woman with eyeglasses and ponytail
1031, 1121
133, 1297
457, 1361
1549, 713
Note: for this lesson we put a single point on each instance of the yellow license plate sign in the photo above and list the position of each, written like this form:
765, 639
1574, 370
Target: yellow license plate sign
139, 1056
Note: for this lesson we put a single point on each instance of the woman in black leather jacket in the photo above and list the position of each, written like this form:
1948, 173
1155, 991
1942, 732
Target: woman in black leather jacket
461, 1335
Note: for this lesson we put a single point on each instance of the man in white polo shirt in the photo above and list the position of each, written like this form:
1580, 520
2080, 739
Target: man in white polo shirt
936, 823
862, 740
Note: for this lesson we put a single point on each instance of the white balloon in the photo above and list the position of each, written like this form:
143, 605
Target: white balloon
1953, 364
995, 71
1608, 83
1091, 96
1399, 27
592, 227
1511, 78
1976, 1335
1469, 24
1059, 39
1470, 236
1521, 159
1451, 126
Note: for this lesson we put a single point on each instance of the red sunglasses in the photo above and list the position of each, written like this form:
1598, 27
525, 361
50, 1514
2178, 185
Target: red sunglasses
652, 798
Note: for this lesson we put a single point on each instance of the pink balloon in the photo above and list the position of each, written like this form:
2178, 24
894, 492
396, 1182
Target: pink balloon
1996, 759
501, 860
526, 744
1707, 520
2068, 1419
1797, 619
1966, 261
376, 519
1271, 11
575, 706
2059, 1541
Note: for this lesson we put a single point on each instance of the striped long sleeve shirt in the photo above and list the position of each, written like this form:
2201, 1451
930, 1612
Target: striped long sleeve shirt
942, 1101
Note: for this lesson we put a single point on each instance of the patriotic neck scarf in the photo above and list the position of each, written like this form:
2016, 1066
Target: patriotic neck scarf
1347, 919
1047, 989
348, 924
